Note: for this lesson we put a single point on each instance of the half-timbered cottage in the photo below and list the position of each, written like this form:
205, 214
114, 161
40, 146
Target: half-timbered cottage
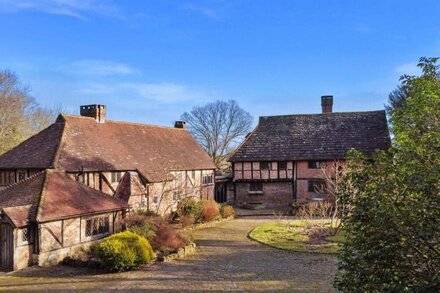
281, 159
113, 166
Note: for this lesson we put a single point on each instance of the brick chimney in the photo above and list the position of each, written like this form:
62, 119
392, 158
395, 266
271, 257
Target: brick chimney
327, 104
180, 124
95, 111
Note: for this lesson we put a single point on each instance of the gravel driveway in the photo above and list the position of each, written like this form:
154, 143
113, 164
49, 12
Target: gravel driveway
226, 260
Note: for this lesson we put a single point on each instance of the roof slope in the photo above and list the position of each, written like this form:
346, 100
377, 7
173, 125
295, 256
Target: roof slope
36, 152
74, 143
52, 195
314, 137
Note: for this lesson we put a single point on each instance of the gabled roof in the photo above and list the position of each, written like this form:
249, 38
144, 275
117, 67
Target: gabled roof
314, 137
52, 195
128, 186
75, 143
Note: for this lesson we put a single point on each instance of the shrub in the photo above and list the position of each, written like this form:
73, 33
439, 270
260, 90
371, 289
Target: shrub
141, 224
190, 207
124, 251
167, 237
227, 211
187, 220
314, 209
210, 210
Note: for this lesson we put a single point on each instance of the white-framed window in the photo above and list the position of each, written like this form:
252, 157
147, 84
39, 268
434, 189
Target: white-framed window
116, 177
207, 179
97, 226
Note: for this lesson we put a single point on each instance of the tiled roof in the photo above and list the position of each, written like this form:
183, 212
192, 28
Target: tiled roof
36, 152
128, 186
52, 195
75, 143
314, 137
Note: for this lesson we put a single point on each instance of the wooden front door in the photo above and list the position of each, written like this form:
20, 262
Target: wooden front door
6, 247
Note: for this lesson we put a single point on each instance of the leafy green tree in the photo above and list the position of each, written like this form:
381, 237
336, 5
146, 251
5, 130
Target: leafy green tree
393, 232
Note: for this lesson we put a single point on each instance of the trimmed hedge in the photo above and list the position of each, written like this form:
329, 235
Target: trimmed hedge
124, 251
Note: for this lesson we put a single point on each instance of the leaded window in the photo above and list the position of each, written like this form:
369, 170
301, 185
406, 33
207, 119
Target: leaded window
97, 226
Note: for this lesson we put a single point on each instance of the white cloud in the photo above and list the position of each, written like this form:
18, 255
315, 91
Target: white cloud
162, 93
72, 8
408, 68
98, 68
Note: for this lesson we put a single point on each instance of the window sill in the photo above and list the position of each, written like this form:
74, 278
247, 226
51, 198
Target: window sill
97, 236
255, 192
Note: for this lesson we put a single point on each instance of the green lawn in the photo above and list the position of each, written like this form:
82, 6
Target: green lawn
291, 235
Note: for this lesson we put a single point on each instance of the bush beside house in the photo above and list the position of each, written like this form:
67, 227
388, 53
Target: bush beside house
124, 251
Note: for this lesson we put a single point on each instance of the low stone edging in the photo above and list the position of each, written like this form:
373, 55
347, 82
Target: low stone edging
190, 249
183, 252
209, 224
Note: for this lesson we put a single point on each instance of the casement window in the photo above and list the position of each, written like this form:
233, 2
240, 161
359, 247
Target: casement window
21, 176
207, 179
4, 179
116, 177
25, 235
266, 166
256, 186
11, 177
317, 186
282, 166
315, 164
193, 174
80, 178
97, 226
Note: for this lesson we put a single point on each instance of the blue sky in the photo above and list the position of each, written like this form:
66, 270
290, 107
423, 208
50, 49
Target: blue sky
150, 61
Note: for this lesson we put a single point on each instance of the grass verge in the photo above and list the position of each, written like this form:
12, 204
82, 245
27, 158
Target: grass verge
297, 235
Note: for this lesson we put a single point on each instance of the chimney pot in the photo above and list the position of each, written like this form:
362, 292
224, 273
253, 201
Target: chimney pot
95, 111
327, 104
180, 124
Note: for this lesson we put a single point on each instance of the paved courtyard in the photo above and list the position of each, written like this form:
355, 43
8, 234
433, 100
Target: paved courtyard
226, 261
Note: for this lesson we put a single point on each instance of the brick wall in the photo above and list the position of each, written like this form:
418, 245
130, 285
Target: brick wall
275, 194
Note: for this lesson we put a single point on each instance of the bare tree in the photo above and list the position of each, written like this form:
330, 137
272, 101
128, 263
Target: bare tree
20, 115
218, 127
334, 176
174, 187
